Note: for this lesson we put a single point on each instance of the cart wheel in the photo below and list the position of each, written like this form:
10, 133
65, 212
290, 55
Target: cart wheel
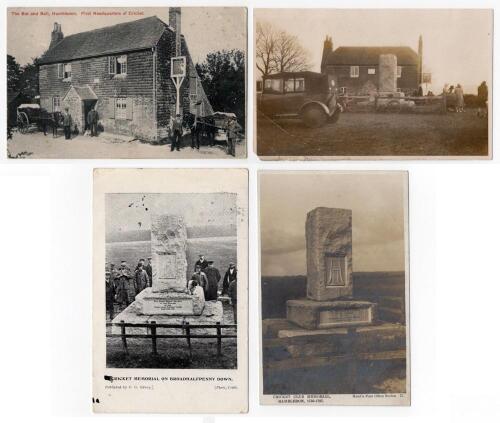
22, 122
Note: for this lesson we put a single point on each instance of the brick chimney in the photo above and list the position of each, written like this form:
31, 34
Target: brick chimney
327, 49
174, 20
56, 36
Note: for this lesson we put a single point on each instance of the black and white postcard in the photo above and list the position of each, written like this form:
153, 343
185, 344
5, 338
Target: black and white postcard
170, 290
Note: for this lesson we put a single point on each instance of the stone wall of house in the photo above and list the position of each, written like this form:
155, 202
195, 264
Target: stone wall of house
136, 87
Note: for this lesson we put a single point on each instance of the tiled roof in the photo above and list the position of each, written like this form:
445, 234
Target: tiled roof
370, 55
128, 36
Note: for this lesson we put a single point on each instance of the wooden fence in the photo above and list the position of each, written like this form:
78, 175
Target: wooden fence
186, 333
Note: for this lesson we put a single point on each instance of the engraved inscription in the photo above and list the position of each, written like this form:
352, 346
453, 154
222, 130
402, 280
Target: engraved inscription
335, 269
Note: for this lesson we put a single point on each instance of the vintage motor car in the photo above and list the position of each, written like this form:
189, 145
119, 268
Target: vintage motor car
310, 96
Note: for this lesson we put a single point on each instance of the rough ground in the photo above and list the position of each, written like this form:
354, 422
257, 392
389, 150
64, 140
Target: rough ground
377, 134
37, 146
174, 353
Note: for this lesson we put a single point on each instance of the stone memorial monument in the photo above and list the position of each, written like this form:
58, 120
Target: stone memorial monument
329, 300
168, 293
388, 73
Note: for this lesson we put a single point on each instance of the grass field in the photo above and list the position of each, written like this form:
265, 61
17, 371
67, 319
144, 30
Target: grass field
377, 134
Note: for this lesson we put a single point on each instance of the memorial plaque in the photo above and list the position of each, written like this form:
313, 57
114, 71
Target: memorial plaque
167, 266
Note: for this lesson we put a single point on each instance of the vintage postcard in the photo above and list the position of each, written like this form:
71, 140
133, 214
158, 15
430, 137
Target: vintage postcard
170, 289
165, 82
334, 288
373, 83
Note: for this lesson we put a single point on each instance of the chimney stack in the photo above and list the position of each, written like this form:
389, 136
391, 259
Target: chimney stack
420, 60
174, 20
327, 49
56, 36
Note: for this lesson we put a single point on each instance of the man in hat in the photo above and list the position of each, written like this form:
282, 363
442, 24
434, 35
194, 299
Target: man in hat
213, 278
149, 270
200, 277
195, 133
122, 292
232, 129
234, 299
141, 280
67, 123
110, 294
177, 133
231, 275
125, 271
201, 262
92, 121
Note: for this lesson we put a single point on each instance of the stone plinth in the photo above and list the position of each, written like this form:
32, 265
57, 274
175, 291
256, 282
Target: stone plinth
168, 251
211, 314
171, 304
329, 253
311, 314
388, 73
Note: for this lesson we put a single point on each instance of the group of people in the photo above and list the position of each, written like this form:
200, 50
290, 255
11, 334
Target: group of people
207, 277
123, 284
197, 128
458, 93
66, 121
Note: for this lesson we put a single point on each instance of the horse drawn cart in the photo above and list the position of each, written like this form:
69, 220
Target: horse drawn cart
31, 117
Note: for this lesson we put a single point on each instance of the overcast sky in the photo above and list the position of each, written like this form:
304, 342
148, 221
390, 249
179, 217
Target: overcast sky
377, 204
457, 43
125, 212
206, 29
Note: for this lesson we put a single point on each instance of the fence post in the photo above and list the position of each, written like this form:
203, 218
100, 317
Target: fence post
124, 338
219, 339
188, 336
153, 337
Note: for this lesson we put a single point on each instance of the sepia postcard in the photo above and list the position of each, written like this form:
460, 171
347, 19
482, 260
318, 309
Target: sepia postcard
170, 291
373, 83
334, 288
165, 82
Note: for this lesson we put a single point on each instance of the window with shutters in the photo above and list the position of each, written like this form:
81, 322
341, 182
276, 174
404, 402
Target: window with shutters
354, 72
400, 71
118, 65
56, 104
121, 108
60, 70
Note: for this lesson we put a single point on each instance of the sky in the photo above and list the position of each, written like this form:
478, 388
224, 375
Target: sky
205, 29
377, 204
457, 43
197, 209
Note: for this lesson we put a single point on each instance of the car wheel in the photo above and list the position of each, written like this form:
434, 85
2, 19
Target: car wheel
314, 116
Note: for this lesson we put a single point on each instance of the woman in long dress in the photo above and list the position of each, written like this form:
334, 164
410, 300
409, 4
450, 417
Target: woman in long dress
459, 94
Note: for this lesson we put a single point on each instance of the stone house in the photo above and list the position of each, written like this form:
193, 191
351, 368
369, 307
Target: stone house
355, 69
124, 71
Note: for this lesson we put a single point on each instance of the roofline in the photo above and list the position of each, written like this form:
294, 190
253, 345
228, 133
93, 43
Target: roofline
167, 26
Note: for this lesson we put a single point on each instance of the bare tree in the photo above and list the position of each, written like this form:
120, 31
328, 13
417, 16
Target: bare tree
264, 48
289, 55
278, 51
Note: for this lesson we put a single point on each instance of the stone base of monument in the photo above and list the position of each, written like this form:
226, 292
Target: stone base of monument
212, 313
170, 303
311, 314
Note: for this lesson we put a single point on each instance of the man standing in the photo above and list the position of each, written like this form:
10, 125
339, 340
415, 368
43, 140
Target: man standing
195, 133
67, 123
141, 280
149, 270
201, 262
92, 121
127, 283
231, 275
231, 136
122, 295
213, 278
177, 132
110, 294
200, 278
234, 300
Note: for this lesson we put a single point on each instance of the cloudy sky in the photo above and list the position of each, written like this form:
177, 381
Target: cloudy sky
457, 43
377, 204
206, 29
125, 212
